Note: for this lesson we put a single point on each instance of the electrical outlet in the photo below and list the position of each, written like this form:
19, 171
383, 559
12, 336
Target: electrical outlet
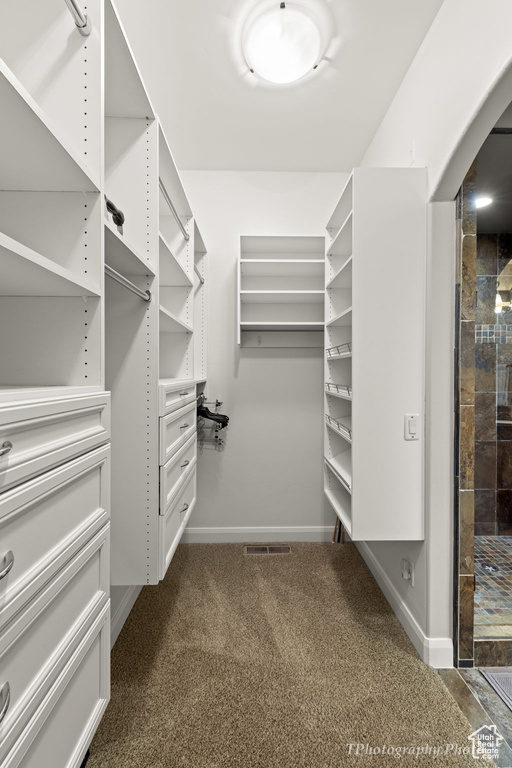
408, 571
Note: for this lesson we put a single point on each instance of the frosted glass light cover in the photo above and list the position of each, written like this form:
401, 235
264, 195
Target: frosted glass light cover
282, 45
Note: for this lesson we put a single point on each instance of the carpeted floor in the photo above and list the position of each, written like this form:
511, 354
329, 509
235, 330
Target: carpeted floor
271, 662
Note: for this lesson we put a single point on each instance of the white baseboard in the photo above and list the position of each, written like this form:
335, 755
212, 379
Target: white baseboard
256, 535
122, 612
435, 651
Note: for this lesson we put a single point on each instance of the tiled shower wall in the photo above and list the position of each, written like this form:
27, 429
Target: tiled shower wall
483, 482
493, 388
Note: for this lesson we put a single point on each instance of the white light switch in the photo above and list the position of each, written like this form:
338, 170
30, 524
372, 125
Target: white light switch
411, 426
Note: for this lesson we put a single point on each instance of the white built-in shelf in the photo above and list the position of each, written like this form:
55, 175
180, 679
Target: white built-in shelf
342, 425
33, 153
282, 297
341, 465
339, 352
342, 391
340, 509
25, 272
344, 318
282, 267
11, 393
343, 277
171, 271
122, 255
341, 246
283, 326
343, 206
169, 323
125, 92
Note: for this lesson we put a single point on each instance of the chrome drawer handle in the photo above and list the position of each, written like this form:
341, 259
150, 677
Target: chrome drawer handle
185, 507
6, 448
5, 700
184, 426
185, 463
183, 394
8, 564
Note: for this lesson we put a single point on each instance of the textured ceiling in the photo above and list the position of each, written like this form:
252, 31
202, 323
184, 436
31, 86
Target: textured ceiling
220, 117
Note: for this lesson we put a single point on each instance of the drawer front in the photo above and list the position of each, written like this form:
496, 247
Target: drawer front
172, 397
45, 521
62, 728
175, 430
37, 644
175, 521
35, 437
174, 474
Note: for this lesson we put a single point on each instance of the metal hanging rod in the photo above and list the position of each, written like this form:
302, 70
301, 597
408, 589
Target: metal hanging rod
146, 295
201, 278
82, 21
173, 209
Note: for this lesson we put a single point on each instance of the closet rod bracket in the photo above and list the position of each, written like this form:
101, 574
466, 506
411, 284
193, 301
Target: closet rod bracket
82, 21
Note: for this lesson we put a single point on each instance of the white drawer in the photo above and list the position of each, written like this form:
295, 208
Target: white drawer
175, 472
46, 520
37, 644
173, 396
175, 430
172, 525
45, 434
61, 729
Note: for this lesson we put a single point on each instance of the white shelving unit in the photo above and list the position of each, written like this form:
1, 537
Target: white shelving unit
152, 346
374, 320
281, 289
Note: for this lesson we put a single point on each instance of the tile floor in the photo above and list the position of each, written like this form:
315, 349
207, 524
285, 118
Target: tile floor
493, 586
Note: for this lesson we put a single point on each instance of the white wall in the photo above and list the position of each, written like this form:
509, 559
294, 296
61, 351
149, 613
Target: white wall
267, 483
455, 90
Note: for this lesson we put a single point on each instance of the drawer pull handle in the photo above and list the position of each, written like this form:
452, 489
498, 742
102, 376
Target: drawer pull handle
185, 507
184, 426
185, 463
6, 448
183, 394
8, 564
5, 700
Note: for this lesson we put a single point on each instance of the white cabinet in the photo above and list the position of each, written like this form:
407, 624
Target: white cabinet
374, 348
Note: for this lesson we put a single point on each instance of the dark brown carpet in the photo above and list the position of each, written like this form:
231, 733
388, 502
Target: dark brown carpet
270, 662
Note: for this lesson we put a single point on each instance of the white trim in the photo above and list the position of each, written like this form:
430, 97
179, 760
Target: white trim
435, 651
253, 535
122, 612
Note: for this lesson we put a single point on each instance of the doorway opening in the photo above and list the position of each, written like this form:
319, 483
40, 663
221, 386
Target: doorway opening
484, 406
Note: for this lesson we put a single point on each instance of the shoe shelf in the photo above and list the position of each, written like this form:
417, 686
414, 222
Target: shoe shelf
341, 425
338, 390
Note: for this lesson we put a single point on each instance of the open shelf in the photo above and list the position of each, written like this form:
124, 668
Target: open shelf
343, 206
344, 318
342, 509
27, 273
341, 466
339, 352
282, 267
169, 323
342, 425
341, 246
33, 154
171, 271
342, 391
282, 297
125, 93
284, 326
343, 277
122, 255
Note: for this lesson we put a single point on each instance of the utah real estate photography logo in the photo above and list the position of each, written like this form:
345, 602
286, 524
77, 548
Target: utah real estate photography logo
486, 743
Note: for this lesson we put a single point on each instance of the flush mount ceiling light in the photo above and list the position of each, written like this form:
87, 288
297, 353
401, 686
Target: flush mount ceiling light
482, 202
282, 43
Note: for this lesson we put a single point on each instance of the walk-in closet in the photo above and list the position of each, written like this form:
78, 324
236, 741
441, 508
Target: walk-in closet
254, 387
